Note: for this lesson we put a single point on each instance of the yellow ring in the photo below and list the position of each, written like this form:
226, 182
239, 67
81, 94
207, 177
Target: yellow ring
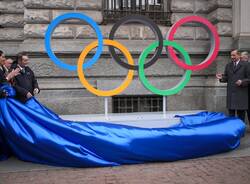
86, 84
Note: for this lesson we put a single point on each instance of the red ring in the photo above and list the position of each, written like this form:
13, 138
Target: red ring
215, 40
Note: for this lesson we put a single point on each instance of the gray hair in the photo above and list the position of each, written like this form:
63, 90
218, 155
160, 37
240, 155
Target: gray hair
245, 53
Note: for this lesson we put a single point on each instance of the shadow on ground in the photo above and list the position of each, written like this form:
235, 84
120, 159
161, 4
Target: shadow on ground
15, 165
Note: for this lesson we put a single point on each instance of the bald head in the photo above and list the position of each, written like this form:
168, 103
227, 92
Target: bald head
244, 56
8, 62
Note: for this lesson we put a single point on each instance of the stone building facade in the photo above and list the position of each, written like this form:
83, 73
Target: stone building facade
23, 24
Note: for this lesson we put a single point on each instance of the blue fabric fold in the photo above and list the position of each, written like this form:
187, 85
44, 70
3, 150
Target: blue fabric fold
34, 133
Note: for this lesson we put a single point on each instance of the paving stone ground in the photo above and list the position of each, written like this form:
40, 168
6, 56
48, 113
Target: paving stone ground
217, 170
228, 168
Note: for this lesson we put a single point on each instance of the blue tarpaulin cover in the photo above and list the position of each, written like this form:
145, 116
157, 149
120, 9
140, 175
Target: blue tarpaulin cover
34, 133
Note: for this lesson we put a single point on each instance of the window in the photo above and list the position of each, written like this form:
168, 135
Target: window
125, 104
157, 10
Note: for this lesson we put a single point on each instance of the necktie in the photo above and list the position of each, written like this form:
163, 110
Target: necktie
235, 65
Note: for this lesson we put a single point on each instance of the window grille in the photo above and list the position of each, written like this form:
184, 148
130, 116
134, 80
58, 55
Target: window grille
125, 104
157, 10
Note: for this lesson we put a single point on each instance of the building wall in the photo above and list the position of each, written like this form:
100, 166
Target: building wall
25, 23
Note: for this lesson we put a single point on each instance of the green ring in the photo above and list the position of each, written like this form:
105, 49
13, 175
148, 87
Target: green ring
185, 79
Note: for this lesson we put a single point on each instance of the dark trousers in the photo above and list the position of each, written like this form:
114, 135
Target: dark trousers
248, 115
248, 110
240, 113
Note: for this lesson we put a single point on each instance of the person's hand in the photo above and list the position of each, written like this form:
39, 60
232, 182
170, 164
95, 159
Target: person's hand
36, 91
219, 76
29, 95
16, 71
5, 93
12, 74
238, 82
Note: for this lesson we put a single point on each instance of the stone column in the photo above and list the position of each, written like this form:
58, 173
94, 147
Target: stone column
241, 24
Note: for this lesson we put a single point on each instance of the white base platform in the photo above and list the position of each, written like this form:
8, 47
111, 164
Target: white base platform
141, 119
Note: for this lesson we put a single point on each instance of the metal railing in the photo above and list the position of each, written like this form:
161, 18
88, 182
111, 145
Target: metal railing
157, 10
143, 103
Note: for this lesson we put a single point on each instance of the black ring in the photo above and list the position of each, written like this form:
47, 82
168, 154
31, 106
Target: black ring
146, 21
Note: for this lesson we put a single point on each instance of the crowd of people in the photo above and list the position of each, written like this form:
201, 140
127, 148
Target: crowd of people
236, 75
19, 75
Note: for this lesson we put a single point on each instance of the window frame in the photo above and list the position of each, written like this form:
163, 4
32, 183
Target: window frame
112, 11
137, 103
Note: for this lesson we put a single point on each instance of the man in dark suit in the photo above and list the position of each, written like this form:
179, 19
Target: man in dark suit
237, 77
25, 84
2, 77
5, 76
245, 57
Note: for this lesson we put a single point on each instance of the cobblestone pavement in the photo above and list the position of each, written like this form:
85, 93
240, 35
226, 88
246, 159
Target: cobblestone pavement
228, 168
216, 170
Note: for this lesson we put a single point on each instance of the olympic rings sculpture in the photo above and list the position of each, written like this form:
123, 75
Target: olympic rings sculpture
157, 45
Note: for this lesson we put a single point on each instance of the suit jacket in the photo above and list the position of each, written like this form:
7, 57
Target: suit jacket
2, 75
24, 83
2, 93
237, 96
2, 80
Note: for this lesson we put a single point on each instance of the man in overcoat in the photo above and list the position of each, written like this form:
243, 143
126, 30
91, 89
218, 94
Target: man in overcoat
236, 75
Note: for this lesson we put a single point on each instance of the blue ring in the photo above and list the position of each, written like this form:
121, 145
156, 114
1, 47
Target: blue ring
53, 25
